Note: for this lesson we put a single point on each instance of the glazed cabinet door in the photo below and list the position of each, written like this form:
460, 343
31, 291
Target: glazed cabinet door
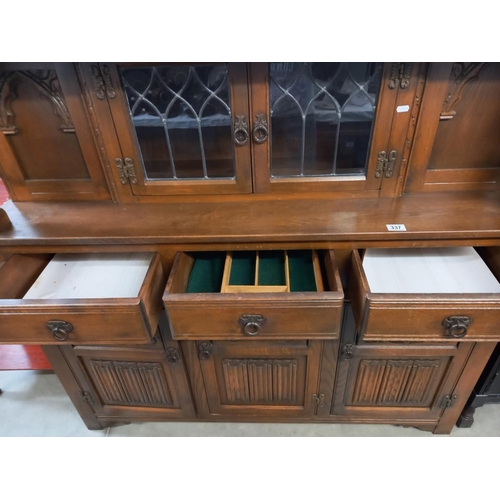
266, 379
456, 146
330, 126
133, 382
47, 150
180, 128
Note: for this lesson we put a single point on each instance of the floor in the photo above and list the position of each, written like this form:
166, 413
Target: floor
35, 404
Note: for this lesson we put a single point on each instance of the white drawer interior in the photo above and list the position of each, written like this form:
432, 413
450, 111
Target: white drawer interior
92, 276
428, 270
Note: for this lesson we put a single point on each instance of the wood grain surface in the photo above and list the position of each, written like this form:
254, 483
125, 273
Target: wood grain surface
426, 217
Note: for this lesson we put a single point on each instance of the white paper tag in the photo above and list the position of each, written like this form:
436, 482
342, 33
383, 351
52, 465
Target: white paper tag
396, 227
403, 109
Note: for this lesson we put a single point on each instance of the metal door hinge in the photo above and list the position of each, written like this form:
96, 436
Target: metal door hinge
126, 171
172, 356
205, 350
86, 398
348, 351
400, 74
103, 85
448, 401
318, 400
385, 165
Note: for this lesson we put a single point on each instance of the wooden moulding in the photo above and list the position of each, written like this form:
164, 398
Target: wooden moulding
5, 222
226, 287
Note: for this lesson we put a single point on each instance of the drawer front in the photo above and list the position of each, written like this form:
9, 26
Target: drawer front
428, 321
243, 322
422, 317
59, 325
76, 321
243, 316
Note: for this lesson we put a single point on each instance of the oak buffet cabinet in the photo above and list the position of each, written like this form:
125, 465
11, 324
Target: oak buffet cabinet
192, 241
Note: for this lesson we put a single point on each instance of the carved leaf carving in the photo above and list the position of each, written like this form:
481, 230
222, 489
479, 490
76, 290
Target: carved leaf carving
463, 73
46, 83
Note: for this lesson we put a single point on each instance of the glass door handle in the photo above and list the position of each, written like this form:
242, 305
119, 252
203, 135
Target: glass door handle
240, 130
260, 129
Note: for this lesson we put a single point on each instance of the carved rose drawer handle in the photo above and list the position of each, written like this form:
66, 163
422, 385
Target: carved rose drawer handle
59, 329
251, 323
457, 326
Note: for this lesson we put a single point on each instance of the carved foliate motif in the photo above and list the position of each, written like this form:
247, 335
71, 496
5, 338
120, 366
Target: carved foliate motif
47, 84
462, 73
7, 118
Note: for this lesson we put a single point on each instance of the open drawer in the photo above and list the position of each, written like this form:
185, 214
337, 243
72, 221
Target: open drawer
80, 298
274, 295
429, 294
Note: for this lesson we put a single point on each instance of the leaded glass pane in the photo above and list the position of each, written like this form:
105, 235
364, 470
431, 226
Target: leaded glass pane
182, 120
322, 117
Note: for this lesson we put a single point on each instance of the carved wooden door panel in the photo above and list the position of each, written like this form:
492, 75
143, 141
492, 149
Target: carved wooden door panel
141, 381
261, 378
330, 126
456, 144
47, 150
397, 381
180, 128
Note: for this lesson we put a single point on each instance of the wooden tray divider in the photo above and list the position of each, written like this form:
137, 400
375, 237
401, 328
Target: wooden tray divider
317, 272
255, 288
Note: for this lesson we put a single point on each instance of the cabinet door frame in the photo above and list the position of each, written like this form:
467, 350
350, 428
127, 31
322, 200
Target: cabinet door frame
115, 117
265, 350
443, 381
354, 350
174, 373
389, 133
422, 179
93, 188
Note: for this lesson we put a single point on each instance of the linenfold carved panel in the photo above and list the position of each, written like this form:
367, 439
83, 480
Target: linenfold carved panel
131, 383
260, 381
46, 83
391, 382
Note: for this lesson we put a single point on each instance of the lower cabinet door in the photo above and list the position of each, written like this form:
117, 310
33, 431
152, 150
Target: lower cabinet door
397, 381
261, 378
147, 382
